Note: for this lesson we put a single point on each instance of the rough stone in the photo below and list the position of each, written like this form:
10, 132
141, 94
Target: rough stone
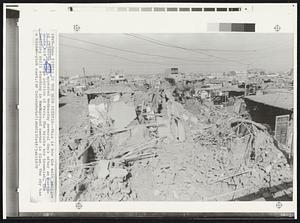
122, 114
117, 173
101, 169
126, 190
156, 192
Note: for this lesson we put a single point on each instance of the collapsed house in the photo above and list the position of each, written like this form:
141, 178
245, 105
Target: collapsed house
265, 108
233, 91
276, 111
143, 144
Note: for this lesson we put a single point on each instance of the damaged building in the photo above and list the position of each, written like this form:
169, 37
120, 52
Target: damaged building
145, 143
177, 117
275, 110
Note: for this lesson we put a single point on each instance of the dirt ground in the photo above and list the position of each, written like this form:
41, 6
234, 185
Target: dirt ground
72, 112
180, 171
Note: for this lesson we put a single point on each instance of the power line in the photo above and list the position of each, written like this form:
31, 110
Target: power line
277, 47
224, 50
134, 52
124, 58
193, 49
111, 55
160, 43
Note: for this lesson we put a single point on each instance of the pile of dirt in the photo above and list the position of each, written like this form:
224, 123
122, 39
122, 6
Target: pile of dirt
196, 151
230, 157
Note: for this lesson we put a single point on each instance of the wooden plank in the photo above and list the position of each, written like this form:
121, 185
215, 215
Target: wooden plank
281, 128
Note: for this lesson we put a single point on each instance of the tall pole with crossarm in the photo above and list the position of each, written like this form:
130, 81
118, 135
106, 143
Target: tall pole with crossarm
84, 76
245, 94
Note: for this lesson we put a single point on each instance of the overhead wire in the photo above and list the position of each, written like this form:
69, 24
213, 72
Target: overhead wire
111, 55
161, 43
155, 41
124, 58
134, 52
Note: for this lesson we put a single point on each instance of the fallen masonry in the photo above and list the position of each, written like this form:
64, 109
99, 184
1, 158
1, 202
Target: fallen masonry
146, 145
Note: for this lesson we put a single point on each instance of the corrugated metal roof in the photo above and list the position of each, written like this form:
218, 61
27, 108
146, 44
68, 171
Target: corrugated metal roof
235, 89
279, 100
108, 89
278, 90
210, 88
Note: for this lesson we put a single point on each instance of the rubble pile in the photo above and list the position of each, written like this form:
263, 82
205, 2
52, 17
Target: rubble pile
109, 182
152, 144
245, 154
71, 171
232, 158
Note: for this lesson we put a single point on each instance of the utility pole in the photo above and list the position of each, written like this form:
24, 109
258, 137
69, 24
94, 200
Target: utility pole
84, 75
245, 94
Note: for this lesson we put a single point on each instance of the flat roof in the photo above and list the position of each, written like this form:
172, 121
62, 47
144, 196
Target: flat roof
235, 89
284, 100
109, 89
278, 90
210, 88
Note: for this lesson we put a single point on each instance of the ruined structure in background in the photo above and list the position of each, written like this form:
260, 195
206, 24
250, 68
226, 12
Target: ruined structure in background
117, 78
180, 137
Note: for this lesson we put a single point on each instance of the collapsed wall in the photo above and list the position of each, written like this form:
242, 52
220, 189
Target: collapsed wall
238, 156
251, 159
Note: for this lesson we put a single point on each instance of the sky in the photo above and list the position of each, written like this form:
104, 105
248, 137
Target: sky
147, 53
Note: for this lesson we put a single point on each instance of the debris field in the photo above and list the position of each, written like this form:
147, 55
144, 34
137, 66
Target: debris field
142, 143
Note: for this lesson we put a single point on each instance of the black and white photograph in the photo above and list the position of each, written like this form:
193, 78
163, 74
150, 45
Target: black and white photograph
176, 116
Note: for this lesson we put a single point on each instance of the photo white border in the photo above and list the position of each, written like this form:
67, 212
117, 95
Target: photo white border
4, 151
95, 18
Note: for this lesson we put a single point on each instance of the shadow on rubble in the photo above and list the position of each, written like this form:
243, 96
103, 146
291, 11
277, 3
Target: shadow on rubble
274, 193
284, 152
62, 104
